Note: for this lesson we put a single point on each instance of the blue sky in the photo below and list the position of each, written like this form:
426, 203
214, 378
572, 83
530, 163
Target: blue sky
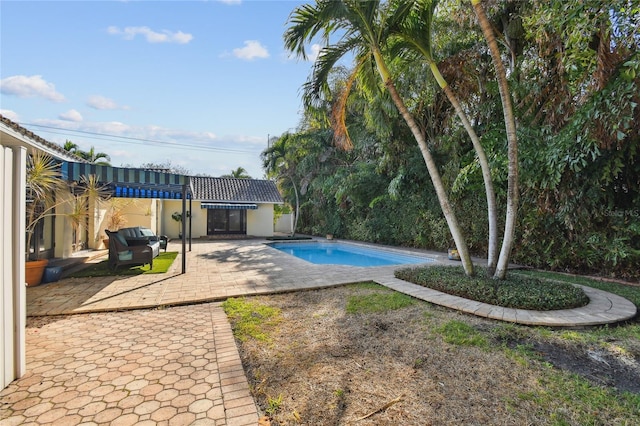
200, 84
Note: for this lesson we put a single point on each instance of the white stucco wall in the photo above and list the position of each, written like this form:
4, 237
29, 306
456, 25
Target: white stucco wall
13, 305
285, 223
260, 221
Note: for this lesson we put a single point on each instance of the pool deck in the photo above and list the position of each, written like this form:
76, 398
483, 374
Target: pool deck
217, 270
159, 350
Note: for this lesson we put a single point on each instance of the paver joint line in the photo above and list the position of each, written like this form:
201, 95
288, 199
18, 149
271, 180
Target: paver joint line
126, 363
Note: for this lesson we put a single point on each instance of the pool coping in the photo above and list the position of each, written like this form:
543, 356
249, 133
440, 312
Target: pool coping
217, 270
415, 254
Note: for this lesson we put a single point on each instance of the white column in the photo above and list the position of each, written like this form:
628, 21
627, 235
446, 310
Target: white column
6, 269
19, 250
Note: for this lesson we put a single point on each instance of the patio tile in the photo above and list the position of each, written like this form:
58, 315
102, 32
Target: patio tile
180, 364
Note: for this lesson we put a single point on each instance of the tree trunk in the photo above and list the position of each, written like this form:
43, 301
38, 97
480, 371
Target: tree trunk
295, 221
512, 140
492, 212
443, 198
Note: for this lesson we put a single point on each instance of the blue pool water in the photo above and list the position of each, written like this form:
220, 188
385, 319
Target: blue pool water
346, 254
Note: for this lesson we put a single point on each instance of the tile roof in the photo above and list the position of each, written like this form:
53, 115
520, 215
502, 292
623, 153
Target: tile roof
232, 190
55, 149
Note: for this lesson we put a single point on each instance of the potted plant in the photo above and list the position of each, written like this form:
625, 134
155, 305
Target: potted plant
177, 216
46, 193
116, 217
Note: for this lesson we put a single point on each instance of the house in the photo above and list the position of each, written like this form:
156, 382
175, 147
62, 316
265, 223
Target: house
226, 206
16, 143
216, 206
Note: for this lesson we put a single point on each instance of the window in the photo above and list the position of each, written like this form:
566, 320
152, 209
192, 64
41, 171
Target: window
226, 221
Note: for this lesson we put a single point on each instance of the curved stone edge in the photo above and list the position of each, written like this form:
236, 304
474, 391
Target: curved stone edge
603, 307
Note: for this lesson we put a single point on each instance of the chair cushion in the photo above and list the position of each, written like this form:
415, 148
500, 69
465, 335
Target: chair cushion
120, 239
125, 255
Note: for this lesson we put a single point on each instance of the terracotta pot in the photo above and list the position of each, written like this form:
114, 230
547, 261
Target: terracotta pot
453, 254
34, 269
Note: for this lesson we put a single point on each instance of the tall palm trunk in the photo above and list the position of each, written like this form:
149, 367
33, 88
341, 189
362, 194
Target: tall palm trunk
295, 220
454, 227
512, 140
492, 210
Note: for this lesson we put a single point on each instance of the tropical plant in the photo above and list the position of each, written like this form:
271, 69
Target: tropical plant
70, 146
116, 218
364, 28
276, 164
49, 195
177, 216
239, 173
513, 194
415, 30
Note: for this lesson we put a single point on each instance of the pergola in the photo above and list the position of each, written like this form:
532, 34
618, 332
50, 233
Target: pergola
123, 182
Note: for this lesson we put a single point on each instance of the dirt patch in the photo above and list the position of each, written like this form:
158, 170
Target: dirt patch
327, 367
598, 365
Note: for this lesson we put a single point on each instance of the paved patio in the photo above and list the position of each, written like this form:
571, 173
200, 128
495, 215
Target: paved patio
172, 364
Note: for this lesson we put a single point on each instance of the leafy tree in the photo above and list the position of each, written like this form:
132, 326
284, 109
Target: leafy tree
512, 139
165, 167
70, 146
239, 173
365, 27
415, 31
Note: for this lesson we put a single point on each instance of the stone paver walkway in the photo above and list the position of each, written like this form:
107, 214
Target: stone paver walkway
171, 364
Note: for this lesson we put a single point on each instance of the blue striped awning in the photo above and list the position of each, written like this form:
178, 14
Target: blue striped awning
229, 206
129, 182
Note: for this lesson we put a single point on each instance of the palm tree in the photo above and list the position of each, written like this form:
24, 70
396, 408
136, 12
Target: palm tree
276, 163
364, 27
416, 32
512, 140
47, 192
95, 157
239, 173
70, 146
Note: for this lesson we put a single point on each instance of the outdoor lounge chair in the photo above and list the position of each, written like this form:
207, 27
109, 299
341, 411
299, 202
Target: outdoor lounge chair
138, 235
121, 253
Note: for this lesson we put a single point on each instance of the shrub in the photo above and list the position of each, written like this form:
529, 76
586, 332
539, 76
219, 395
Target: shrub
519, 292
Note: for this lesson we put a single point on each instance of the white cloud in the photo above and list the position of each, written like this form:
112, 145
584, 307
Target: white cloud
165, 36
252, 49
315, 52
11, 115
30, 87
230, 2
312, 53
102, 103
71, 115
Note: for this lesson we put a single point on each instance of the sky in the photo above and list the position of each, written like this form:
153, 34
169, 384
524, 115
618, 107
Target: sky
197, 84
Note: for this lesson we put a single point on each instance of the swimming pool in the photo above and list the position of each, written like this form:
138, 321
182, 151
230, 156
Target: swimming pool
322, 253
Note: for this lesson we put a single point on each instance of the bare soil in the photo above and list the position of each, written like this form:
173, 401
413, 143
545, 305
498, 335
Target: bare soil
325, 366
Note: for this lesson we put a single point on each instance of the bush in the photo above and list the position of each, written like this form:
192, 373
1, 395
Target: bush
517, 292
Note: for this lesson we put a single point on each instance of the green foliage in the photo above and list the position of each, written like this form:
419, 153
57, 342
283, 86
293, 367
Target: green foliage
588, 404
250, 320
161, 265
576, 88
462, 334
629, 292
273, 405
514, 292
378, 302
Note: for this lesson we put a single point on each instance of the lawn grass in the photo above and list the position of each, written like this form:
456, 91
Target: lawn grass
250, 319
378, 302
161, 265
